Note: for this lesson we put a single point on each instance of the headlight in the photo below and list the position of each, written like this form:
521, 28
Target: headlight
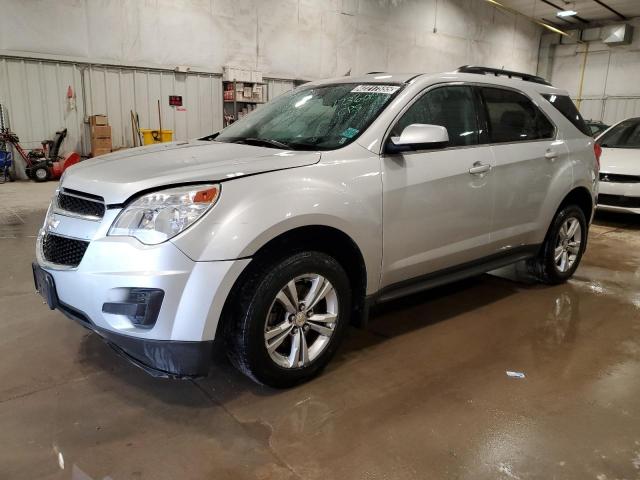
159, 216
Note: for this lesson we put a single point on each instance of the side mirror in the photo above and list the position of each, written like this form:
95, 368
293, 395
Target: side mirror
419, 136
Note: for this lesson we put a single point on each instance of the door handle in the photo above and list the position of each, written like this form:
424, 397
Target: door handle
479, 168
551, 155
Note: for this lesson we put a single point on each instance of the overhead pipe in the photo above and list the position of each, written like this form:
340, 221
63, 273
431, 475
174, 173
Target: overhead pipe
531, 19
582, 71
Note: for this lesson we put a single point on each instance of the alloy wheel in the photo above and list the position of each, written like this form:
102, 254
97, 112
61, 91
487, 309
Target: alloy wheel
567, 245
301, 321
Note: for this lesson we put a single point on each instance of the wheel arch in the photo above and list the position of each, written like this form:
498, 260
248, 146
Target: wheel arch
323, 238
581, 197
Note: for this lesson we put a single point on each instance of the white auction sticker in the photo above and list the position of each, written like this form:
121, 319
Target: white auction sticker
387, 89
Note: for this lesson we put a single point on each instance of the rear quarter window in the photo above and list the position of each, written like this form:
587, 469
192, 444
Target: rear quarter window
567, 108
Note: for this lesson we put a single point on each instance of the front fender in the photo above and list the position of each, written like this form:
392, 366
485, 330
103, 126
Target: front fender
345, 195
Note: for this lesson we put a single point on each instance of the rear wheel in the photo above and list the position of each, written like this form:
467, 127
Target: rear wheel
288, 319
563, 248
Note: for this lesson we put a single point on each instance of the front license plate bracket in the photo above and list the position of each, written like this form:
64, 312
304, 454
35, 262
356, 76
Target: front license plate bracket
45, 286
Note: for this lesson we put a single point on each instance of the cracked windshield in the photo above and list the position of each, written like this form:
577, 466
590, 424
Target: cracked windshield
319, 118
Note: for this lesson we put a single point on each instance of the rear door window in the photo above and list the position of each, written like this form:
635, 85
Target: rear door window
565, 106
513, 117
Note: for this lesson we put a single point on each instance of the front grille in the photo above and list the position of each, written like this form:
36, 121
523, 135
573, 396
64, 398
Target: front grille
81, 204
619, 201
63, 250
618, 178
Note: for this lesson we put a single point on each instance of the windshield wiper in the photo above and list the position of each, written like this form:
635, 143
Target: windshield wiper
264, 142
210, 138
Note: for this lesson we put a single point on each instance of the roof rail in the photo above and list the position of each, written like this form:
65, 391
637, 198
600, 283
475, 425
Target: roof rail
497, 71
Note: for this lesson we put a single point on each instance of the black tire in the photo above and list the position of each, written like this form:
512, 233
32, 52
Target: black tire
40, 173
251, 307
544, 266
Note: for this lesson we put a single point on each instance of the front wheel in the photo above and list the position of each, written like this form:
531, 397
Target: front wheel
563, 248
289, 318
41, 173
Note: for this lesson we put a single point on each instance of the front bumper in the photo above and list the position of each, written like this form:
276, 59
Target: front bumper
619, 197
180, 341
159, 358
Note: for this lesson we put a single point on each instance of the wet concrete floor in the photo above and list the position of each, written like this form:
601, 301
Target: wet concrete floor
422, 394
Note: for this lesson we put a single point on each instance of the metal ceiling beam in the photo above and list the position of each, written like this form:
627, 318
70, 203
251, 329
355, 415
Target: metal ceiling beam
553, 23
602, 4
560, 9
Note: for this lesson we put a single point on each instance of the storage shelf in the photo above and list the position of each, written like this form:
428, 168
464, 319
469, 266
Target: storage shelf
243, 81
241, 101
237, 102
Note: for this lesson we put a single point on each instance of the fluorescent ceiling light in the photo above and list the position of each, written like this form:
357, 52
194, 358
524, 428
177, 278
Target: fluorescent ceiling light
566, 13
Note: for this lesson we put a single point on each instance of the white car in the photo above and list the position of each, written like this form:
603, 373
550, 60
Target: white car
620, 167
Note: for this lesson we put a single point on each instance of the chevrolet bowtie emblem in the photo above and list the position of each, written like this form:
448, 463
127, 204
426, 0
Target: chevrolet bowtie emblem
52, 224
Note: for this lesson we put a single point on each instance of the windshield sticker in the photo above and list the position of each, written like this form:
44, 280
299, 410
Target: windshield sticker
385, 89
350, 132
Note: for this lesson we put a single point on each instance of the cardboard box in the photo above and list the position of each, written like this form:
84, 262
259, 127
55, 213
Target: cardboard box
101, 143
100, 131
98, 120
96, 152
256, 77
241, 75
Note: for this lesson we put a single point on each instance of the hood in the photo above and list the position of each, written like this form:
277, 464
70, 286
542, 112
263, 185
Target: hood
624, 161
119, 175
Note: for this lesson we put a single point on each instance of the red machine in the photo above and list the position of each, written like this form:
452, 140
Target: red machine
43, 163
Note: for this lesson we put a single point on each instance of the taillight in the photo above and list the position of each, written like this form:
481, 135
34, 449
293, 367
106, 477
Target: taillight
597, 149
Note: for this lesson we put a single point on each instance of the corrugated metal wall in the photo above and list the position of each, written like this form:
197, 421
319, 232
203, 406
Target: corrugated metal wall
115, 92
591, 108
611, 109
34, 93
619, 108
277, 87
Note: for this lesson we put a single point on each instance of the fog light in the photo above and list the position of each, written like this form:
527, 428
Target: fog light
141, 307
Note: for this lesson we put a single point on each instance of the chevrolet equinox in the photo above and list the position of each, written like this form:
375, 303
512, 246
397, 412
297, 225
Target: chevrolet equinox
277, 232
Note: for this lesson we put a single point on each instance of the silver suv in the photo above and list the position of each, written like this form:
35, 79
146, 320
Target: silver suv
277, 232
